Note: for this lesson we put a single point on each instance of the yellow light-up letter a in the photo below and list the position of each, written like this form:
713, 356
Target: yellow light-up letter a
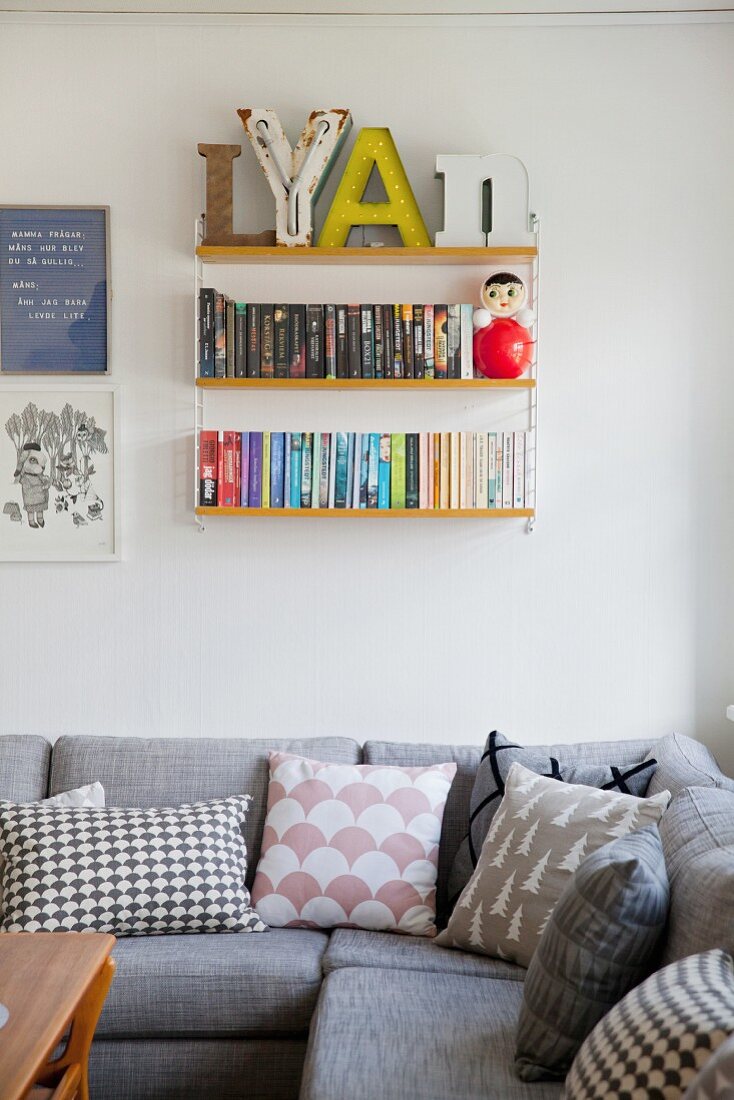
374, 147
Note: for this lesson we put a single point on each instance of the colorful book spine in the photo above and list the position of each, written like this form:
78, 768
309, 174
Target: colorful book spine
437, 470
220, 466
256, 458
423, 470
419, 356
440, 321
265, 494
208, 471
373, 471
306, 468
297, 340
379, 341
481, 470
295, 487
492, 470
228, 478
341, 465
445, 479
220, 337
383, 471
466, 355
350, 468
357, 471
499, 460
507, 470
430, 470
267, 347
324, 468
428, 341
281, 357
237, 467
397, 341
332, 470
277, 469
453, 342
368, 342
330, 341
342, 361
253, 340
206, 332
387, 340
240, 340
315, 469
397, 471
354, 342
408, 364
287, 471
230, 335
245, 470
518, 467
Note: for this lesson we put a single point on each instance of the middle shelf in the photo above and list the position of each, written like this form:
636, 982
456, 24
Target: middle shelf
366, 383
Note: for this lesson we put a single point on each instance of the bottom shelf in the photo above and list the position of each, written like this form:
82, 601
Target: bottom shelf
374, 513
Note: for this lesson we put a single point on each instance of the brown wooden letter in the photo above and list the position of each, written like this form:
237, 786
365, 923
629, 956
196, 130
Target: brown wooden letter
218, 221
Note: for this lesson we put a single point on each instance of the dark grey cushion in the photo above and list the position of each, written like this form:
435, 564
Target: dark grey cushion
208, 1069
24, 764
169, 771
697, 831
353, 947
398, 1034
616, 772
602, 939
683, 762
178, 986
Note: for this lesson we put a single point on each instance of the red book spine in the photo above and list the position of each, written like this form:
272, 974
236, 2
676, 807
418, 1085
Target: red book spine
228, 478
220, 469
237, 467
208, 469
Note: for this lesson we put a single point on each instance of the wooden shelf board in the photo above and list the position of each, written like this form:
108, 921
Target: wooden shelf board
366, 384
373, 513
233, 254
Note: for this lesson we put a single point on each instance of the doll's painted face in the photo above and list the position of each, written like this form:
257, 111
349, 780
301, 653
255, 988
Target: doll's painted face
504, 297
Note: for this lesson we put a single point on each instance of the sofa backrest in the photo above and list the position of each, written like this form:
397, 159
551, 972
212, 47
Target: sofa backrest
467, 757
24, 767
171, 771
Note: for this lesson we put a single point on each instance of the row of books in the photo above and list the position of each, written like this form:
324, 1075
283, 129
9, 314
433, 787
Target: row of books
366, 469
254, 340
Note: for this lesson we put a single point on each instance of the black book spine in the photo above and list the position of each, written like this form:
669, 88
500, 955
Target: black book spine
206, 332
368, 346
240, 340
297, 340
229, 325
330, 341
280, 341
267, 360
397, 341
342, 360
314, 341
388, 359
419, 359
220, 337
253, 340
354, 343
411, 470
379, 342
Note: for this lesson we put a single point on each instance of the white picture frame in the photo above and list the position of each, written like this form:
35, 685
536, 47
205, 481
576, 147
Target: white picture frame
60, 471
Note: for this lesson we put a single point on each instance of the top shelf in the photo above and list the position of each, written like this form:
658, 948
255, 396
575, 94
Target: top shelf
233, 254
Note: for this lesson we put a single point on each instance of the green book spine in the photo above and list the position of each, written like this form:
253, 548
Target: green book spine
397, 471
411, 470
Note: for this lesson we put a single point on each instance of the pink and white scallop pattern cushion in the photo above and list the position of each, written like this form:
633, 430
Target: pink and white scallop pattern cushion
351, 845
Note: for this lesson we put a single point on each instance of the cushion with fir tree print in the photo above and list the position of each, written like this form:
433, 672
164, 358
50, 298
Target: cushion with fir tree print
540, 834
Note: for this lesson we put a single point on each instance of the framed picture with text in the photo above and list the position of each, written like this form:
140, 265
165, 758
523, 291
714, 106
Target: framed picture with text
59, 471
54, 289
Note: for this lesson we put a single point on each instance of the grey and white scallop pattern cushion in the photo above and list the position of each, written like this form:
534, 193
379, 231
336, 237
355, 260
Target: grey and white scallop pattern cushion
657, 1039
129, 872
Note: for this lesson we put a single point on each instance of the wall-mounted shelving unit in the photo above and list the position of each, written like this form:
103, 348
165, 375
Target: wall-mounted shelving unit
480, 258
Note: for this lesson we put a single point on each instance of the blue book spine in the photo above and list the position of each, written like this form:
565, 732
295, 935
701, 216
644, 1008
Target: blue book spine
287, 471
245, 470
295, 494
350, 468
373, 463
256, 480
277, 471
364, 464
383, 472
340, 490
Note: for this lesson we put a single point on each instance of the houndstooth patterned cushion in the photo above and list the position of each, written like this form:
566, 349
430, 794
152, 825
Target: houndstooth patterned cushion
126, 871
654, 1042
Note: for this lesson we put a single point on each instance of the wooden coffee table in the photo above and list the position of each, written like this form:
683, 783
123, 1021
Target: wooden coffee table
49, 980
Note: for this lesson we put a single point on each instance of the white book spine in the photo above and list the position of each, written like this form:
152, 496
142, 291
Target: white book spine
332, 471
481, 499
357, 469
518, 488
530, 470
463, 467
455, 470
467, 341
492, 470
507, 470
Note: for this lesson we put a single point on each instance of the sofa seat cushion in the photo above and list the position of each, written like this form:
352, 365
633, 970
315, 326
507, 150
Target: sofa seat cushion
214, 986
397, 1034
391, 951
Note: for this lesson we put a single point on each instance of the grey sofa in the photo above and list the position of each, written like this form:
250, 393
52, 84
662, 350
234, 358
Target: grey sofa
348, 1016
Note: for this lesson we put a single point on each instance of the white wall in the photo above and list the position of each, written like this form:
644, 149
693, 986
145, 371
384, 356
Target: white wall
612, 620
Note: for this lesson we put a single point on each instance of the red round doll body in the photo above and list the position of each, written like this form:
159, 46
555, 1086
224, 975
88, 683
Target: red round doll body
503, 342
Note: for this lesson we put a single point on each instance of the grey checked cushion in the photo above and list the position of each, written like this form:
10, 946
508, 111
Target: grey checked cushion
602, 939
24, 765
489, 786
683, 762
538, 838
125, 871
658, 1038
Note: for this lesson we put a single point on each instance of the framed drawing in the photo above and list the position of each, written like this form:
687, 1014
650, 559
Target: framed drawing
54, 289
59, 472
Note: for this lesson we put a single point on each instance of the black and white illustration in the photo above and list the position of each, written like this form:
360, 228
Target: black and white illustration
57, 473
